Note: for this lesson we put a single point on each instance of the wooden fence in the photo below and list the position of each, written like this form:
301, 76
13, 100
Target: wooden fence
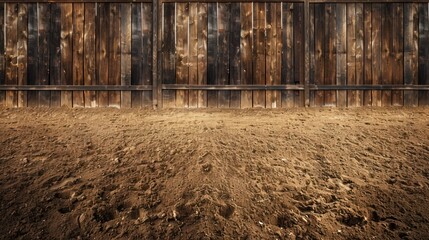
214, 54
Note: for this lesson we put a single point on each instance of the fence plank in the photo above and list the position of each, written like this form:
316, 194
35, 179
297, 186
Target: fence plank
287, 55
246, 43
22, 52
147, 55
312, 51
169, 70
359, 52
271, 47
351, 57
376, 52
398, 53
223, 23
345, 43
11, 77
44, 15
66, 52
367, 51
259, 14
298, 42
114, 54
103, 51
330, 52
32, 53
387, 52
202, 53
2, 56
136, 53
78, 24
411, 29
182, 52
125, 53
212, 96
423, 52
55, 54
193, 53
234, 54
90, 52
319, 58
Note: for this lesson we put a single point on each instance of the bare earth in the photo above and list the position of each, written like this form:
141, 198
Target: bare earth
211, 174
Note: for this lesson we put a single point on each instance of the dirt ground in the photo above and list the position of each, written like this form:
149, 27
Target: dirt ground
212, 174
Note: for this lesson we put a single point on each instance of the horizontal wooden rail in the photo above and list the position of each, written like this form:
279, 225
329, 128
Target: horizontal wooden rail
77, 1
75, 88
231, 87
370, 87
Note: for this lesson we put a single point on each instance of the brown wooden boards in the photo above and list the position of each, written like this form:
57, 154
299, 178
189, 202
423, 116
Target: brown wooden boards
273, 53
345, 43
376, 52
114, 54
44, 15
168, 68
312, 52
102, 38
78, 31
234, 54
182, 52
298, 43
387, 52
212, 55
398, 52
287, 54
2, 51
423, 52
125, 53
319, 58
359, 51
351, 58
136, 52
55, 54
193, 53
32, 53
246, 43
66, 52
411, 27
330, 52
367, 57
146, 57
202, 53
89, 70
259, 53
223, 23
11, 77
22, 52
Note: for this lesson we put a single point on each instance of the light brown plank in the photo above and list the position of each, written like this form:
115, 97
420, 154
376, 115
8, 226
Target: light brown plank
78, 48
66, 52
202, 53
246, 43
193, 53
182, 53
22, 52
90, 52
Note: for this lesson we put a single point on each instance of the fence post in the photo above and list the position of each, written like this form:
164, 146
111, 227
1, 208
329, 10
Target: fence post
156, 46
306, 53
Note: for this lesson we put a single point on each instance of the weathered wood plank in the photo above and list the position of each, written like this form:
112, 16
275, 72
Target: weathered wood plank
345, 43
169, 48
423, 53
319, 58
367, 51
103, 51
246, 43
22, 26
147, 56
202, 53
182, 52
376, 52
212, 55
330, 52
273, 53
11, 77
223, 23
259, 15
411, 30
312, 51
66, 52
125, 53
193, 53
44, 16
288, 69
359, 52
298, 44
114, 54
398, 52
90, 52
32, 52
2, 56
351, 56
78, 67
136, 53
55, 54
387, 53
234, 54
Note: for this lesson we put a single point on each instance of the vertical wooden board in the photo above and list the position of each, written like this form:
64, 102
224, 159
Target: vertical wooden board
376, 51
2, 51
44, 16
387, 52
359, 52
234, 54
147, 53
182, 52
32, 52
298, 44
103, 51
169, 48
278, 55
55, 53
330, 52
246, 43
78, 24
223, 23
269, 55
259, 14
90, 52
193, 53
202, 53
126, 53
212, 53
367, 53
312, 49
351, 56
136, 53
398, 53
273, 53
66, 52
345, 43
319, 48
411, 29
423, 53
288, 70
11, 77
114, 54
22, 52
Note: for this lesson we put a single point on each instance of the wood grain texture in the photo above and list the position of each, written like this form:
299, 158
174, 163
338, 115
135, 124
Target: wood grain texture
387, 52
246, 43
136, 53
78, 48
345, 43
146, 56
22, 27
367, 51
423, 53
32, 53
125, 53
359, 51
114, 54
55, 54
330, 52
89, 71
103, 51
212, 55
273, 54
319, 58
2, 51
398, 52
411, 45
376, 52
259, 15
11, 53
312, 52
351, 57
44, 16
193, 53
298, 44
66, 52
234, 54
182, 53
202, 53
288, 63
169, 48
223, 23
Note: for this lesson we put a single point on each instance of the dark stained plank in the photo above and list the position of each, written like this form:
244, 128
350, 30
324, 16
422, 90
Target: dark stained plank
319, 48
411, 29
298, 44
202, 53
55, 54
223, 23
182, 53
376, 52
259, 14
312, 49
246, 42
22, 26
387, 52
90, 52
44, 15
169, 48
367, 53
11, 77
234, 54
147, 53
330, 52
288, 53
2, 57
271, 52
78, 31
423, 53
345, 64
398, 53
193, 53
351, 57
32, 53
136, 53
103, 51
212, 55
125, 53
277, 95
359, 52
114, 54
66, 52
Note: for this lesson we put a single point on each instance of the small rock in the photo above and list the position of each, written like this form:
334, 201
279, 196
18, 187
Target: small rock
24, 160
116, 161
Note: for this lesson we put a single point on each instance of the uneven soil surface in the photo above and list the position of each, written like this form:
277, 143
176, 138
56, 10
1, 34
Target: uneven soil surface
214, 174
